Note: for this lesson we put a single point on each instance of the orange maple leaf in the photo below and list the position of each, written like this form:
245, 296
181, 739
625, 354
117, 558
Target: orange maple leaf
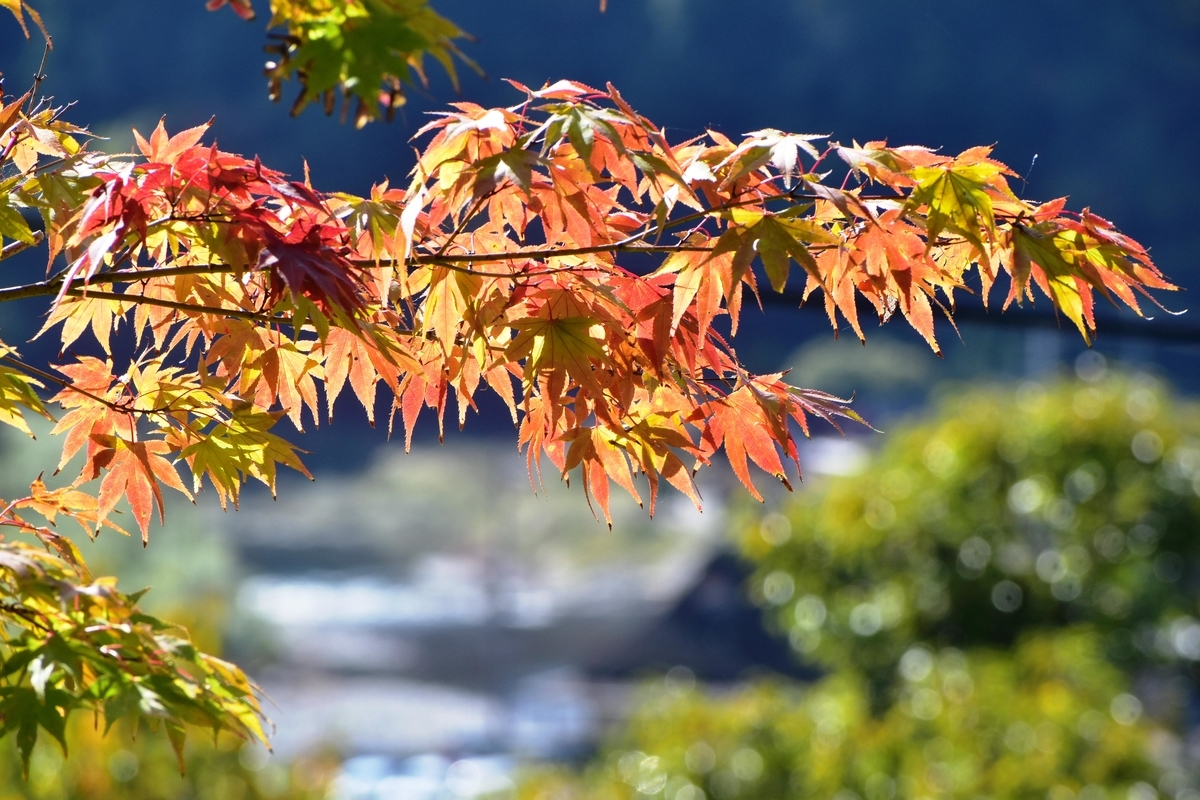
133, 472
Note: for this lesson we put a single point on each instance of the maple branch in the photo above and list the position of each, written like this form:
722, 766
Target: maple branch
698, 215
627, 245
51, 286
616, 247
12, 248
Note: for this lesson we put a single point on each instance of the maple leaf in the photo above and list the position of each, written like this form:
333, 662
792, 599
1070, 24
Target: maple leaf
237, 449
603, 456
781, 241
17, 392
240, 7
90, 397
320, 274
560, 341
888, 263
580, 125
450, 296
13, 226
365, 51
887, 165
69, 502
19, 9
494, 171
708, 280
769, 146
164, 149
1037, 255
80, 314
290, 373
133, 472
743, 424
957, 198
10, 114
426, 386
655, 431
568, 344
349, 357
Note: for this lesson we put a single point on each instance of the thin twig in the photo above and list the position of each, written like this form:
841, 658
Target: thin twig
49, 376
38, 77
26, 614
466, 220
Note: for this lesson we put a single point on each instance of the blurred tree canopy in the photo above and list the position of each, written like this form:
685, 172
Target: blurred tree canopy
1034, 508
1031, 723
983, 597
117, 765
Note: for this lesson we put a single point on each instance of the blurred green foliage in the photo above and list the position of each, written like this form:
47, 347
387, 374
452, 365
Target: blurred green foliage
982, 597
1012, 509
1032, 723
118, 766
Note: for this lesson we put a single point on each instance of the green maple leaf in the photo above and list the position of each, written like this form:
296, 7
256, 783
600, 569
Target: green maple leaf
956, 199
240, 448
1053, 254
565, 344
13, 225
17, 392
511, 165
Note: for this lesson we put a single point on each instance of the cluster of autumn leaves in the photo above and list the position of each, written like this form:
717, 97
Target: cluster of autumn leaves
498, 266
561, 253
